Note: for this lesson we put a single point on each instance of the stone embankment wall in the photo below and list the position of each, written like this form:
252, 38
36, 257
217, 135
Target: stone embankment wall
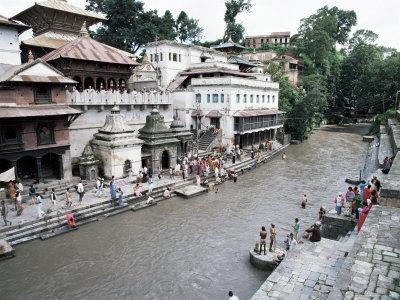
336, 226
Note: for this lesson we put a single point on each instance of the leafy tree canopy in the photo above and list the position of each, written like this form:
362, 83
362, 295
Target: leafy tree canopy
233, 29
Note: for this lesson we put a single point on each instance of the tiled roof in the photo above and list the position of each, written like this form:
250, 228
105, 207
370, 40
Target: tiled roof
228, 44
257, 112
11, 73
9, 23
60, 5
86, 48
37, 111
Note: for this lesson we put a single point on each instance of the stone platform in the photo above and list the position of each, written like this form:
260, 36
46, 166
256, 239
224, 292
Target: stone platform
263, 262
372, 268
6, 251
190, 191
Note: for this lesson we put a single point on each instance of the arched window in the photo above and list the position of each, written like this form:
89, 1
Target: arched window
42, 94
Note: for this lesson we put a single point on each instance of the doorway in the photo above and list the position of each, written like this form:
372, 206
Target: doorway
165, 160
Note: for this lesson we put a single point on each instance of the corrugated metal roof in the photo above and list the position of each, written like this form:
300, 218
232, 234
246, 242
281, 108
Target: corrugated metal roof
176, 82
86, 48
228, 44
240, 61
216, 70
91, 17
257, 112
37, 111
7, 22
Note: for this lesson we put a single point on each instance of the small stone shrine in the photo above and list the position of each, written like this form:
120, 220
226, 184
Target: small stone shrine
88, 164
183, 135
160, 142
117, 146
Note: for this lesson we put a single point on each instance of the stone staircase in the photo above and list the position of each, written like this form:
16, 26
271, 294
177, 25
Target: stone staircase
32, 230
206, 139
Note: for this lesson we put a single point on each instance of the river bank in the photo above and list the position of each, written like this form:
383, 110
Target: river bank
189, 249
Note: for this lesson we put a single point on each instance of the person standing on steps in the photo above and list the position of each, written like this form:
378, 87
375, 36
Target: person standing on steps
113, 189
81, 191
18, 198
120, 197
68, 199
99, 186
53, 196
39, 203
150, 184
304, 201
272, 236
32, 194
4, 213
339, 200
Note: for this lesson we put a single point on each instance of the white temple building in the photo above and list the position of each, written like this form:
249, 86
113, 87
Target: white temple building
211, 89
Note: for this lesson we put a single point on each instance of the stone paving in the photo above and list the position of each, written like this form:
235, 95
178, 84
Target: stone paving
372, 269
365, 266
307, 272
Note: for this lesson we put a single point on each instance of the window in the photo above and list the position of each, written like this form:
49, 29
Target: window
262, 41
179, 58
258, 98
161, 58
222, 98
245, 98
268, 98
169, 56
263, 98
151, 57
10, 134
215, 98
273, 98
174, 57
251, 98
42, 94
156, 57
45, 134
237, 98
280, 40
198, 98
208, 98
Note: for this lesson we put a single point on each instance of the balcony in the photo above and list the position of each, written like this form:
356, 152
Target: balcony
235, 81
241, 126
93, 97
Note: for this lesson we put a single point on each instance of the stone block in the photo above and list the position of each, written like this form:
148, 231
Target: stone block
394, 295
310, 283
389, 253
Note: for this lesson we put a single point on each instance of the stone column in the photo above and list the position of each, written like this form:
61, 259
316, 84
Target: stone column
39, 167
60, 166
14, 164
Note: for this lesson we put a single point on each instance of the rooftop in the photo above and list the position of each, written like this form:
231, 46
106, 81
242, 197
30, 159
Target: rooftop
273, 34
86, 48
34, 12
181, 45
9, 23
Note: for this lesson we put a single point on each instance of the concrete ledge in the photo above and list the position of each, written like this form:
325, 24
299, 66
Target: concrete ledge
6, 251
263, 262
190, 191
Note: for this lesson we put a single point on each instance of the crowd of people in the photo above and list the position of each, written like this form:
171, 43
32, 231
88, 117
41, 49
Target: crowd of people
358, 200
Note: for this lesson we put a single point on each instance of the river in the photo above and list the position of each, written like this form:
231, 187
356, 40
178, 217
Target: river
189, 249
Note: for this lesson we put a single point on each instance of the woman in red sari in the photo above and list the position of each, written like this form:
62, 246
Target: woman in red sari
364, 213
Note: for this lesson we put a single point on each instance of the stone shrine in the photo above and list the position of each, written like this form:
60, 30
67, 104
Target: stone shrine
117, 146
88, 164
160, 142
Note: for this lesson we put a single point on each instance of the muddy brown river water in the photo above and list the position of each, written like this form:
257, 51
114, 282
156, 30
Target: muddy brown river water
189, 249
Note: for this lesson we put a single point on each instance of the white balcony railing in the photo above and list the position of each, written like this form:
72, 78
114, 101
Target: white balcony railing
232, 81
93, 97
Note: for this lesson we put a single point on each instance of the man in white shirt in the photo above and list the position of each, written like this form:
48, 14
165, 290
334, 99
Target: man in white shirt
232, 296
80, 191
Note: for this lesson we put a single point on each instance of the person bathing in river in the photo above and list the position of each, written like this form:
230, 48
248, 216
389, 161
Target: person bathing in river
296, 228
284, 155
71, 220
272, 236
304, 201
167, 194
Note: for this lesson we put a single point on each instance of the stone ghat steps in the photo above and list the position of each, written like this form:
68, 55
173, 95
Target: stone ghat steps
57, 219
247, 163
308, 272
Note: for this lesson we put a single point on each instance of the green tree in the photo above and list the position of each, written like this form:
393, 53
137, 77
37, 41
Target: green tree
235, 30
187, 29
167, 29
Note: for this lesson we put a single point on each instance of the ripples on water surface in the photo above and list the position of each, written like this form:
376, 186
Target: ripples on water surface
188, 249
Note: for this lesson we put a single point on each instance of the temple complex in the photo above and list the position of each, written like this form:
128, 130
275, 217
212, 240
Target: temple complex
34, 121
54, 23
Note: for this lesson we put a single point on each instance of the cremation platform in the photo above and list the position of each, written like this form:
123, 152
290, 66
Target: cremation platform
191, 191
